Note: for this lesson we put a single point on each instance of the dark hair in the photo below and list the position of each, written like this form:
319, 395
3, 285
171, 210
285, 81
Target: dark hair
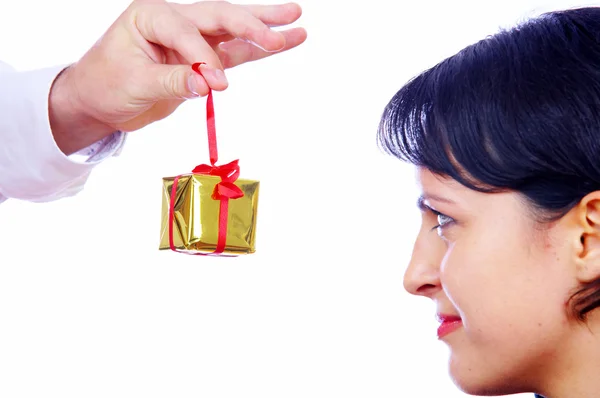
517, 111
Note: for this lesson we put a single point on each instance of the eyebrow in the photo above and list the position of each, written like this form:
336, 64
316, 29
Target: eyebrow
421, 201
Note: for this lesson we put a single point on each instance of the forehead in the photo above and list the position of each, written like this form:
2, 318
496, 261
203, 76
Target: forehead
436, 184
446, 191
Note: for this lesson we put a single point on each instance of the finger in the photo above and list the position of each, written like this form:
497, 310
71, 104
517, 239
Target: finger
237, 52
160, 24
271, 16
216, 18
214, 41
171, 82
174, 58
275, 15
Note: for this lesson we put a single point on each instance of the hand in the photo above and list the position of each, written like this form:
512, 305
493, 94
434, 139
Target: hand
140, 70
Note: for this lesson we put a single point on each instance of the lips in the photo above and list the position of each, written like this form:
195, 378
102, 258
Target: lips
448, 324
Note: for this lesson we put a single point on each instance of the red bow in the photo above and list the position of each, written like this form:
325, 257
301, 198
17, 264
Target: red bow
229, 173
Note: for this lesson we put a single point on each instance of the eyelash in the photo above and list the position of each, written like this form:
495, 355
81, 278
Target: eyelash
441, 225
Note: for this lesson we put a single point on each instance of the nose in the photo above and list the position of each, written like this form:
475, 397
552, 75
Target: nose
422, 277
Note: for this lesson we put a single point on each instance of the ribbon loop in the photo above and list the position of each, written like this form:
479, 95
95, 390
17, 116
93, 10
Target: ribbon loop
210, 120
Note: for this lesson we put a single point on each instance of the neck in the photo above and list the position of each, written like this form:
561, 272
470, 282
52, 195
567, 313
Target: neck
573, 371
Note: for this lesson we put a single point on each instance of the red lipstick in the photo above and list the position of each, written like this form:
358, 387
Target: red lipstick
449, 323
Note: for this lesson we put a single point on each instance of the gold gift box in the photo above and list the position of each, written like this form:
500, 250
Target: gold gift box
196, 215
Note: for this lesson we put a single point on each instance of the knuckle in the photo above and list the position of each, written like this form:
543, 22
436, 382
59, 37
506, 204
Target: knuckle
189, 29
154, 16
219, 9
247, 32
219, 3
141, 7
175, 84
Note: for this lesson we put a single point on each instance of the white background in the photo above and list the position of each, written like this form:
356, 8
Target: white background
90, 308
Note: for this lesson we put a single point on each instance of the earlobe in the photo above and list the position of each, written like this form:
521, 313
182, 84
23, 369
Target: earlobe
588, 216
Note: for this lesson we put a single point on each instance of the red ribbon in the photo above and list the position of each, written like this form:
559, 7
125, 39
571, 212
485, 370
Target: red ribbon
224, 190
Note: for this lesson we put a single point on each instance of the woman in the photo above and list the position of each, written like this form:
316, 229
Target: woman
505, 136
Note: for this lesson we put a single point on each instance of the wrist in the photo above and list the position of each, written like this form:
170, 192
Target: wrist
72, 127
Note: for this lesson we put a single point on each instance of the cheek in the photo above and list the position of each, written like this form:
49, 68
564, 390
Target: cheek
500, 280
510, 296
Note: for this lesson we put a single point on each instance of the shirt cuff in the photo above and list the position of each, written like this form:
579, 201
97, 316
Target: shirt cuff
101, 150
32, 167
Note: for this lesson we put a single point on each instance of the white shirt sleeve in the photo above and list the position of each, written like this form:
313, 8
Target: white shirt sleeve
32, 167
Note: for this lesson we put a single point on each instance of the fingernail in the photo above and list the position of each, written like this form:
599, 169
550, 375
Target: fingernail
217, 74
220, 75
261, 47
255, 44
193, 86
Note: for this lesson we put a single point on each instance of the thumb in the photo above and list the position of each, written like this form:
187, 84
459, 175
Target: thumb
168, 82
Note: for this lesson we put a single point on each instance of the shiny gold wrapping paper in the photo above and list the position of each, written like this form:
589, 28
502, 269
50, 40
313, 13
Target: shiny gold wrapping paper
196, 215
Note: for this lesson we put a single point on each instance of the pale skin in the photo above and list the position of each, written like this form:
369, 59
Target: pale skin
140, 71
509, 278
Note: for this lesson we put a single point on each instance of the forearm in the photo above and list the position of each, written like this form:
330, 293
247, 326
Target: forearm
71, 127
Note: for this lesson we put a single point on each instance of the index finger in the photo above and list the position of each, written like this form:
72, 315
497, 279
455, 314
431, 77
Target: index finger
160, 24
216, 18
275, 15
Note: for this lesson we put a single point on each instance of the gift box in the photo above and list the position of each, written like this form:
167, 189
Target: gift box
210, 210
197, 212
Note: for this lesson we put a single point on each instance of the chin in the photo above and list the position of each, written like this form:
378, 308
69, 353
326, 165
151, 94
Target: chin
482, 381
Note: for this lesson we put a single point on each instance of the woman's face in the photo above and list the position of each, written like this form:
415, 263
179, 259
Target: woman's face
507, 277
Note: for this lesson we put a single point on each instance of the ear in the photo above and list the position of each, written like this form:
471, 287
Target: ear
587, 218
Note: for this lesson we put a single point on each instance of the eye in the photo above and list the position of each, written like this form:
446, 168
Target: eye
443, 221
